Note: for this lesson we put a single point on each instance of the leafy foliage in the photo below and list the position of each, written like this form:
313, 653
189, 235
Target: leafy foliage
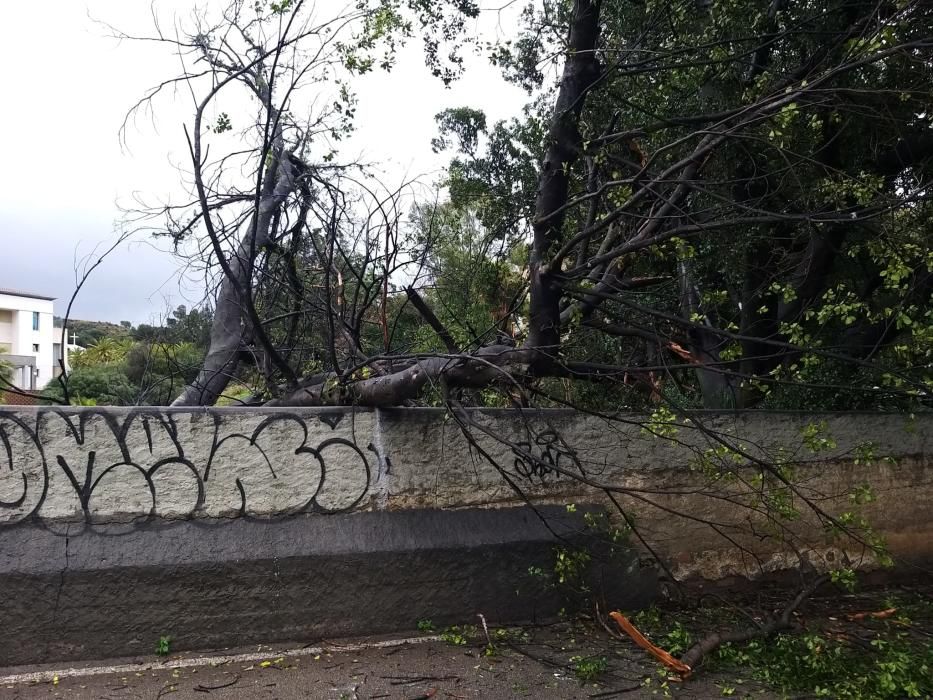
472, 282
796, 270
889, 658
588, 668
457, 635
6, 369
105, 351
163, 646
129, 366
104, 385
716, 205
893, 667
160, 370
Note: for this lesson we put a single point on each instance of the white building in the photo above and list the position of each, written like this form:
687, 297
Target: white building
28, 339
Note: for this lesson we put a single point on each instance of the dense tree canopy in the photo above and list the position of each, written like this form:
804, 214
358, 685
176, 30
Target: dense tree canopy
716, 204
748, 192
122, 365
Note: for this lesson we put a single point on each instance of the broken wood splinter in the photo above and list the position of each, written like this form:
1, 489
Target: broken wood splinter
657, 652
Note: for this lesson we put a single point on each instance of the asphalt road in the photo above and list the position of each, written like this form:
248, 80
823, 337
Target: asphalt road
535, 666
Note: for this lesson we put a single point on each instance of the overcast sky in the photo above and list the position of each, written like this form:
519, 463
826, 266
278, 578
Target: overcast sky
65, 176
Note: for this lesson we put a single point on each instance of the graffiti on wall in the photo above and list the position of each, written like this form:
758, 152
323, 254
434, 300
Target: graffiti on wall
104, 467
544, 457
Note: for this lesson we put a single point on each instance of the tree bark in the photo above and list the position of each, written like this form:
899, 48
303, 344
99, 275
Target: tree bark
489, 365
229, 325
581, 71
716, 384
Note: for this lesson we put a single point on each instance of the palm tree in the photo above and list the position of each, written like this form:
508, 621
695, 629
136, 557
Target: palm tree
103, 352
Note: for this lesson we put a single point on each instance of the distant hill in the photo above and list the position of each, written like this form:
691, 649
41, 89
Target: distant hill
89, 332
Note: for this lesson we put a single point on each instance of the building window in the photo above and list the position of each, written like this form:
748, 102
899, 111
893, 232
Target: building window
35, 347
35, 320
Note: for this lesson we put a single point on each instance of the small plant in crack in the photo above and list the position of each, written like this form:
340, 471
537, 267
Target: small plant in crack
588, 668
425, 626
163, 646
458, 636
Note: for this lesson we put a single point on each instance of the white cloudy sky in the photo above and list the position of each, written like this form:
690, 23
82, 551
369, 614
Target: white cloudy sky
67, 87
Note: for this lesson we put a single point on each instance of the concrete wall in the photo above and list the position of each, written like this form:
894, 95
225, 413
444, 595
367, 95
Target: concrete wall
105, 500
91, 466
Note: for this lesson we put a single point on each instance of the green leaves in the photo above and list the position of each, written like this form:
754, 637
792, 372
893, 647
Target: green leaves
459, 127
662, 423
223, 123
588, 668
389, 24
280, 7
817, 438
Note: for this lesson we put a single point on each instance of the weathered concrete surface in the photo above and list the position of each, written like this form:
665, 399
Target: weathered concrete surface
700, 510
90, 464
210, 584
89, 467
284, 523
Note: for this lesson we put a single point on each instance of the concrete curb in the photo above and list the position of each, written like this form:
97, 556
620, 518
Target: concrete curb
50, 675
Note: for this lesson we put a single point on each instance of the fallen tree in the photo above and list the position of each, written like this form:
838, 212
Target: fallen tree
712, 207
615, 245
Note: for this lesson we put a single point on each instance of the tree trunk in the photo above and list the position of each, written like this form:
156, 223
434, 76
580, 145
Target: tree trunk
230, 313
581, 70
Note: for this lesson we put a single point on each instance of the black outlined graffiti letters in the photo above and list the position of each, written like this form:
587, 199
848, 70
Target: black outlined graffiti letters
542, 458
97, 466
